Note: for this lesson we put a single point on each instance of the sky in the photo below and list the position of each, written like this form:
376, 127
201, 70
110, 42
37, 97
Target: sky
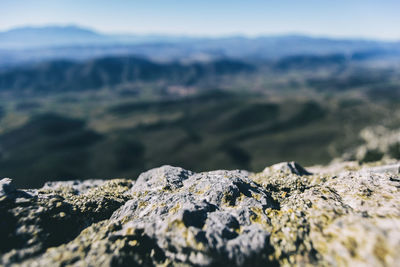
370, 19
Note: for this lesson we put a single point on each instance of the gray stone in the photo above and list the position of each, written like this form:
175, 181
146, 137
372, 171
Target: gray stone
393, 169
379, 144
164, 177
343, 214
77, 187
194, 216
32, 222
287, 167
6, 187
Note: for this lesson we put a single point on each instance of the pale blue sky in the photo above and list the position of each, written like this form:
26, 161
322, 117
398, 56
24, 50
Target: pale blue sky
338, 18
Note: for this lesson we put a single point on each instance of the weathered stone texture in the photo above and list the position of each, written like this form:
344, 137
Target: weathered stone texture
347, 215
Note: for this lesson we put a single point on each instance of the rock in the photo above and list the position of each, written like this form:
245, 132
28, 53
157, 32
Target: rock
31, 223
6, 187
200, 219
348, 215
391, 169
287, 167
379, 143
8, 190
164, 177
76, 187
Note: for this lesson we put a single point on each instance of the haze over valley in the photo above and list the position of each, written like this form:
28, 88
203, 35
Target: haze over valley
90, 105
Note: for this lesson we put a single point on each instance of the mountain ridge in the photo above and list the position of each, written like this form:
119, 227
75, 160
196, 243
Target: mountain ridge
33, 44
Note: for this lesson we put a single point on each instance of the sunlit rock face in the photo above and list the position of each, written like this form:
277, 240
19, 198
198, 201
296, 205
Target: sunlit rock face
342, 214
379, 144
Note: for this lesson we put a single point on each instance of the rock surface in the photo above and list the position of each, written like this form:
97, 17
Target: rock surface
379, 143
348, 215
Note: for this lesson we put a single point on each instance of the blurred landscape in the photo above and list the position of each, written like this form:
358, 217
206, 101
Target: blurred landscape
75, 103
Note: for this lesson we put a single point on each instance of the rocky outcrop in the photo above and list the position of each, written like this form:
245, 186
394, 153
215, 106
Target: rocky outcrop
379, 143
343, 214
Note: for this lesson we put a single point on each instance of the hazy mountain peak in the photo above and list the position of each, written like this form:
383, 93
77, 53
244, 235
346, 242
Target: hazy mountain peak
51, 28
52, 35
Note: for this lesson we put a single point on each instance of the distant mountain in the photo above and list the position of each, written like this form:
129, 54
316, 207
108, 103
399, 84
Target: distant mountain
29, 37
56, 36
30, 44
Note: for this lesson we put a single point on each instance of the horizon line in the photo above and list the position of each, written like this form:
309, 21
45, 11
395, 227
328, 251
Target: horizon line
204, 36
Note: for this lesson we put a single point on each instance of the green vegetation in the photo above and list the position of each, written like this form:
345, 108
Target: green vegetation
206, 116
